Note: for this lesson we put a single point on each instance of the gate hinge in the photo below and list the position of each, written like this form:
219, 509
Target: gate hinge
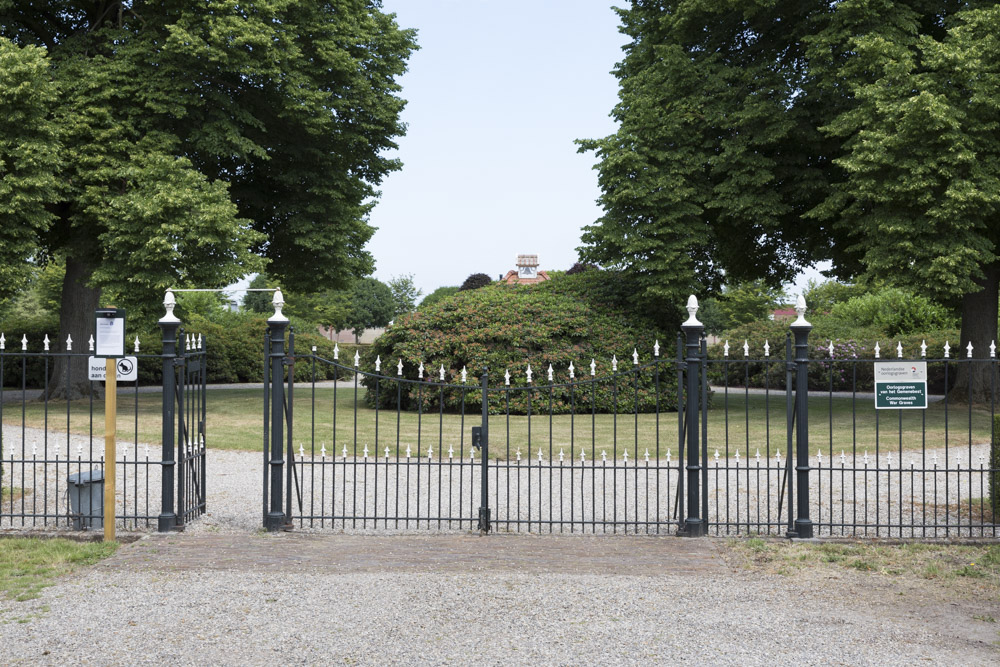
288, 361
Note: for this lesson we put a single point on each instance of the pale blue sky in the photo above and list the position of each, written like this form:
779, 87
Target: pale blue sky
497, 94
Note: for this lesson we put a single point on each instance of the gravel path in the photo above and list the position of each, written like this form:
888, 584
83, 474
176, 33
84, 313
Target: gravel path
299, 599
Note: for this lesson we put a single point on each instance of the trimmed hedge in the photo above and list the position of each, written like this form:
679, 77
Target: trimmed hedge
507, 327
994, 472
846, 375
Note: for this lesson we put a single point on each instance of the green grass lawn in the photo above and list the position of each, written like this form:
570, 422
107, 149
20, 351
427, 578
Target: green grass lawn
27, 565
739, 422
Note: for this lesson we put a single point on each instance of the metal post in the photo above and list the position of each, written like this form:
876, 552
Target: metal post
801, 329
275, 519
484, 502
169, 324
694, 524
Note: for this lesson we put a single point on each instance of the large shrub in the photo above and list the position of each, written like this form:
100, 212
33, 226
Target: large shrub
475, 281
505, 327
894, 311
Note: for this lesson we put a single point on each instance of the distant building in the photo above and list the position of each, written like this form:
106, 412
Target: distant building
347, 335
526, 273
782, 313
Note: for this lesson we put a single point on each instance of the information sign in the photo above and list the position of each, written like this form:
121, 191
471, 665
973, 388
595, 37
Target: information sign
901, 385
109, 332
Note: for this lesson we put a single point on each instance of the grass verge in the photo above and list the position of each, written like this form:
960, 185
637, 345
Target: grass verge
29, 564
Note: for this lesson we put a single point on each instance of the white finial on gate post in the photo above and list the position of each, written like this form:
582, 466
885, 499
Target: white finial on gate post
593, 368
45, 342
571, 371
947, 349
923, 348
378, 363
899, 349
969, 355
878, 350
692, 308
656, 348
91, 343
279, 302
69, 343
169, 303
800, 308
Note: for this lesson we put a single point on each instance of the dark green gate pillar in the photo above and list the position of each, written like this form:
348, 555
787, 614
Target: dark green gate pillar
168, 325
800, 329
694, 523
278, 323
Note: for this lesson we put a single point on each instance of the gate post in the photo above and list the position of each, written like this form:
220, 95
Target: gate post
169, 324
801, 329
484, 450
275, 518
694, 524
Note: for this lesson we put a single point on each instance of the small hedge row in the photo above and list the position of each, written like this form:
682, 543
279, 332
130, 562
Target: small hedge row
234, 347
842, 369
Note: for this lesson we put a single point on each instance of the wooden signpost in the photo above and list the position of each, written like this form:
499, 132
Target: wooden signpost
110, 344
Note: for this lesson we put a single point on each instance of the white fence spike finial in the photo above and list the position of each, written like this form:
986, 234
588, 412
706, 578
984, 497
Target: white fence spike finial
593, 368
378, 363
135, 344
614, 363
831, 349
91, 343
635, 357
968, 356
336, 352
24, 343
169, 303
692, 308
725, 349
69, 343
878, 350
767, 348
993, 350
465, 375
947, 349
399, 368
528, 373
923, 348
3, 342
278, 301
420, 370
571, 371
314, 349
550, 373
800, 309
506, 377
746, 348
656, 348
357, 359
899, 350
441, 373
45, 342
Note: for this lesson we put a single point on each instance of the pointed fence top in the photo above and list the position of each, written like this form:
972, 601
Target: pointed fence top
767, 348
3, 342
279, 302
550, 373
614, 363
378, 363
571, 370
528, 373
692, 308
169, 303
878, 350
947, 349
969, 355
45, 342
336, 352
899, 350
831, 349
800, 308
993, 350
725, 349
593, 367
24, 343
136, 344
357, 359
506, 377
635, 357
923, 348
69, 343
441, 373
465, 375
420, 370
656, 348
746, 348
91, 343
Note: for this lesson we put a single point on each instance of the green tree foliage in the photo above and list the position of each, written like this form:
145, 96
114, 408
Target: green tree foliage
475, 281
372, 305
759, 136
404, 294
505, 327
259, 302
821, 297
180, 143
894, 311
741, 303
437, 295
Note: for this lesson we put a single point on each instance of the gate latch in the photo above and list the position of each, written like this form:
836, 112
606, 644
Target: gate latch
477, 437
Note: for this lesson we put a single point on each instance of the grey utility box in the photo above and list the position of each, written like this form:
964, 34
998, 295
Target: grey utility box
86, 499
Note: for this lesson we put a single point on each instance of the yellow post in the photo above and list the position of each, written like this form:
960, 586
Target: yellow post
110, 424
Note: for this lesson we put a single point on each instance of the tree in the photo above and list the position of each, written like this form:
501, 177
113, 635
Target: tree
758, 137
404, 294
476, 281
196, 141
437, 295
372, 305
259, 302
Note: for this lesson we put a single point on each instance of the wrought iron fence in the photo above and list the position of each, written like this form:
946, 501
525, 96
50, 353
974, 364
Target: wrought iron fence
48, 445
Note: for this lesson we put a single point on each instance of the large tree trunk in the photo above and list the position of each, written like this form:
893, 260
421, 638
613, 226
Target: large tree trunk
973, 380
76, 318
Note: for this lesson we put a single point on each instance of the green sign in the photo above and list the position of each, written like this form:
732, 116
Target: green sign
901, 385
